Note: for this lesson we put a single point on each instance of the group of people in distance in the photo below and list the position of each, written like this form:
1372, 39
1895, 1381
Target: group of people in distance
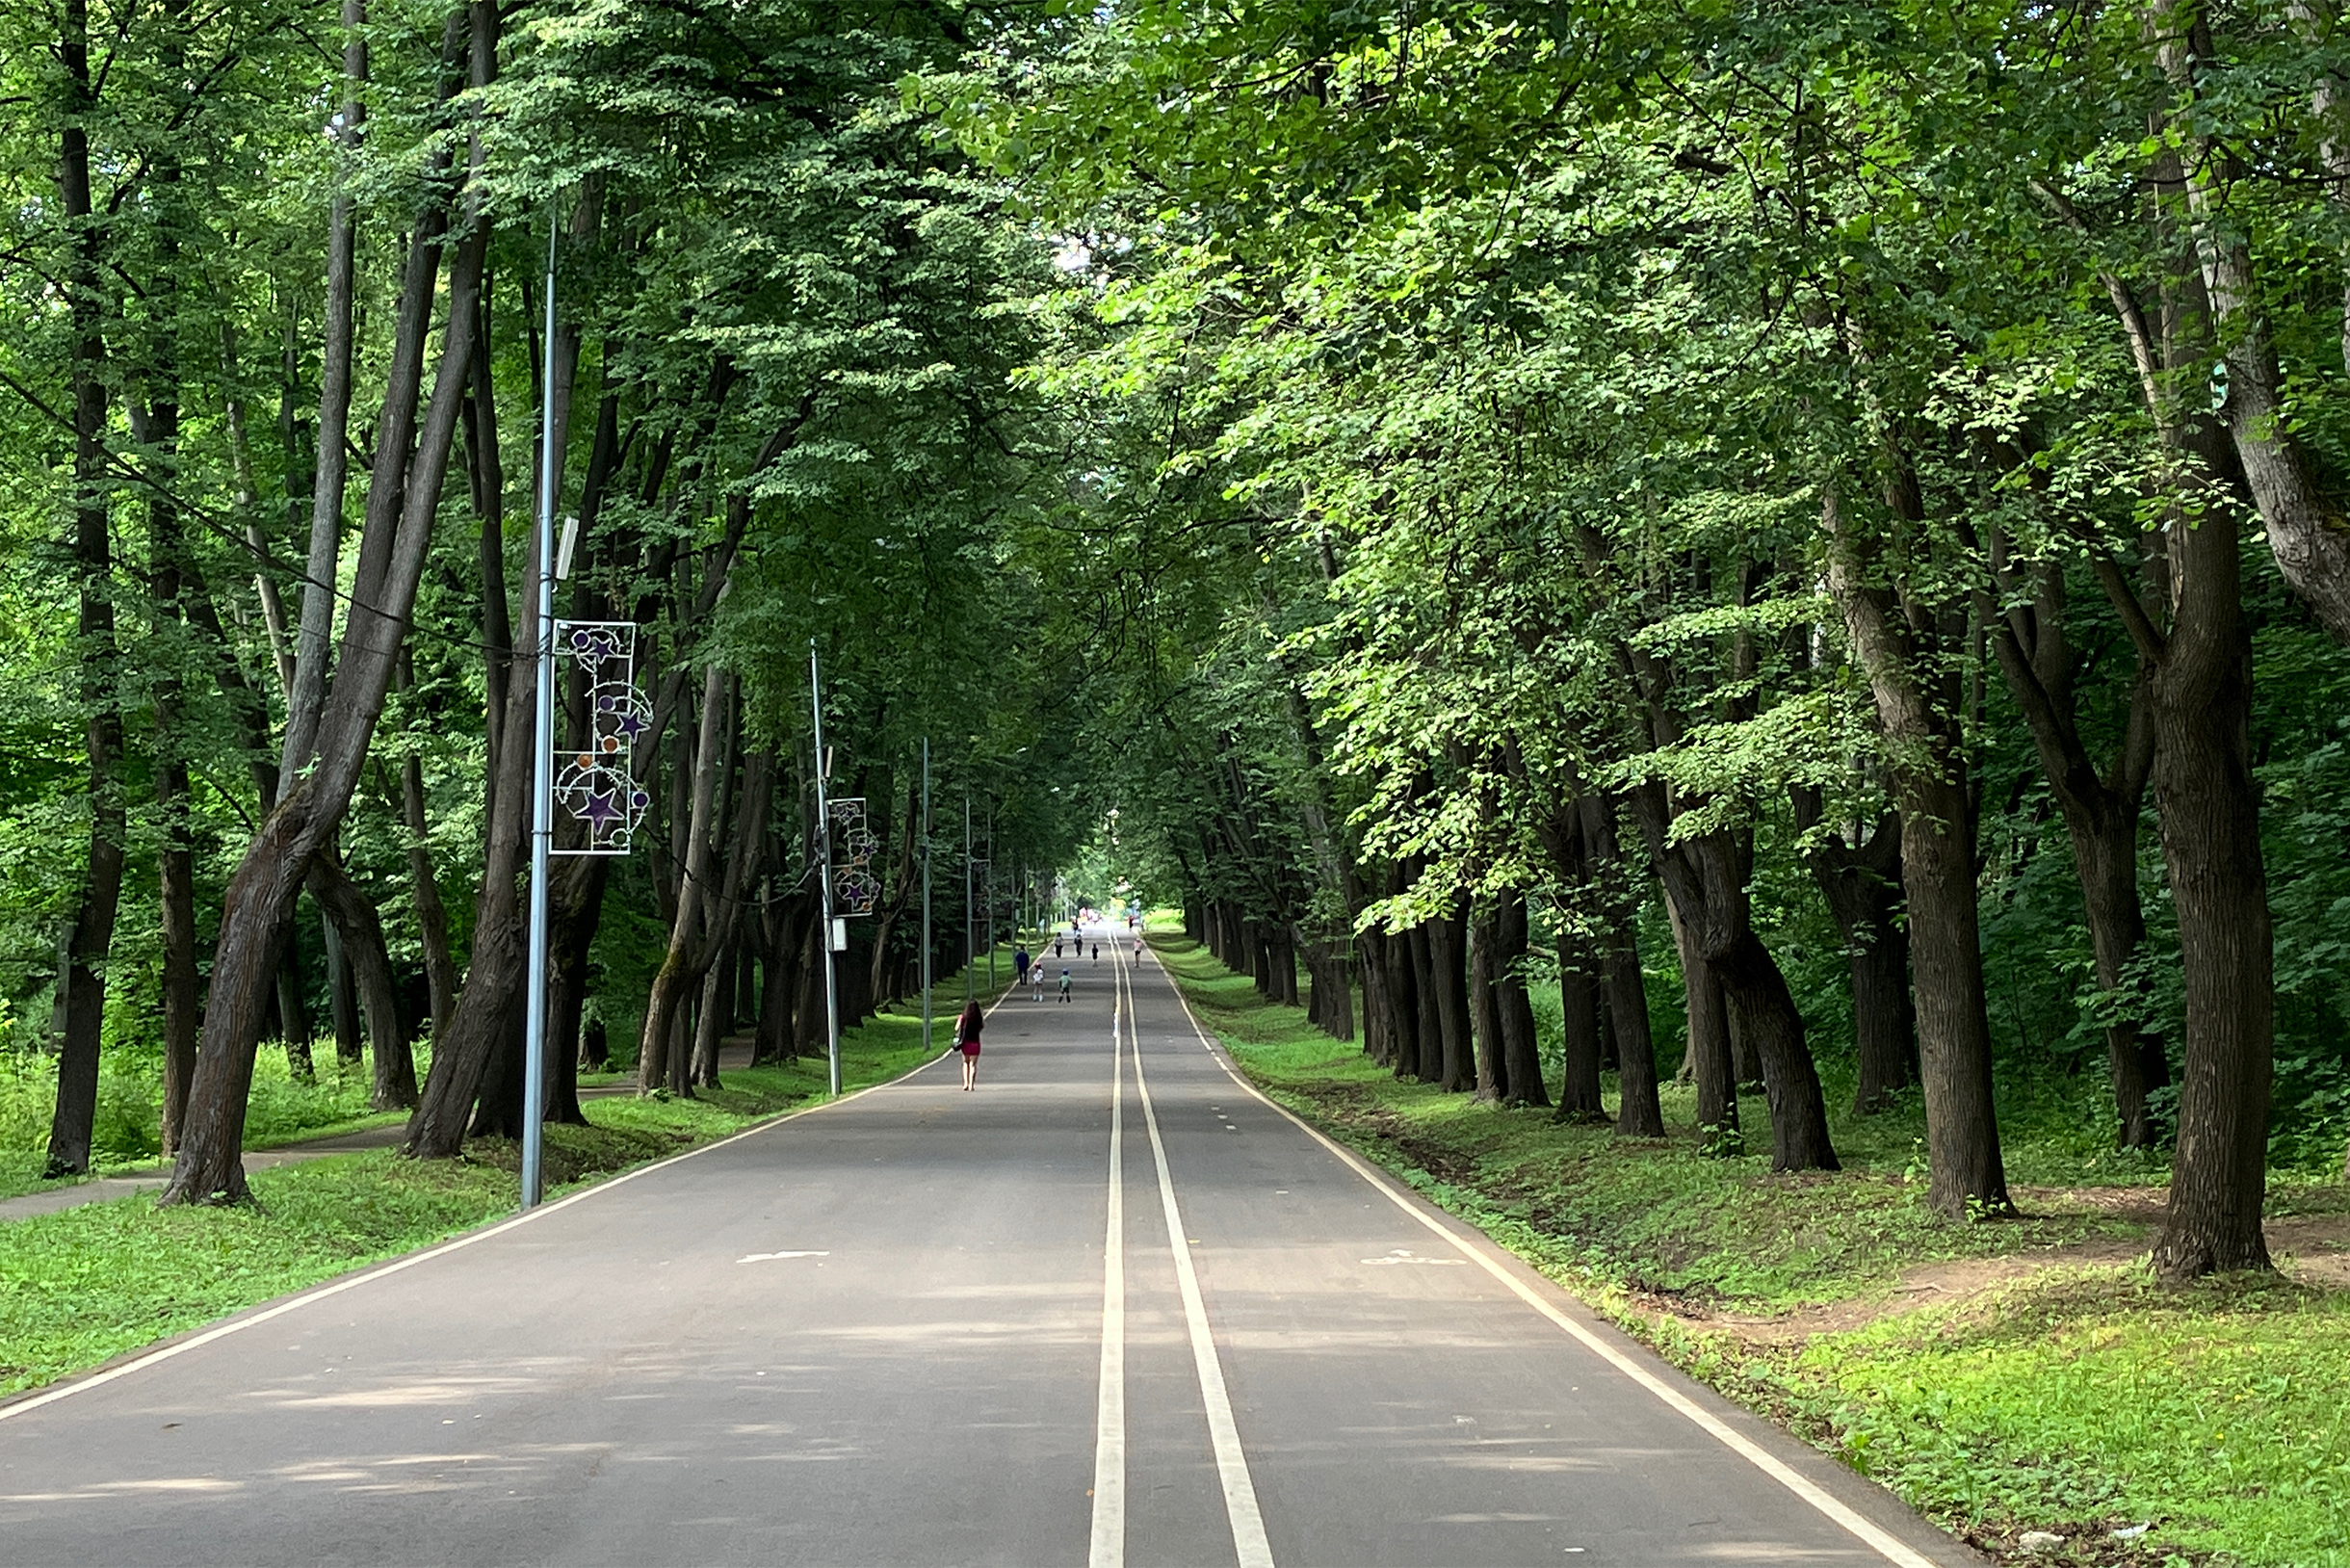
1027, 972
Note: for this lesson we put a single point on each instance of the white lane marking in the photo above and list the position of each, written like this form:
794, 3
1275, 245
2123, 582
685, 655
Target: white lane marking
1249, 1542
1876, 1539
1108, 1548
393, 1265
764, 1257
1399, 1255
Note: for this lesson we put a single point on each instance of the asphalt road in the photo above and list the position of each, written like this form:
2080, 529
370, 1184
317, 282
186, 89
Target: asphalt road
1038, 1323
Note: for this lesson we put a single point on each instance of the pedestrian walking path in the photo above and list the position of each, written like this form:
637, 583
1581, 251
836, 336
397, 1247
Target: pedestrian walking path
732, 1056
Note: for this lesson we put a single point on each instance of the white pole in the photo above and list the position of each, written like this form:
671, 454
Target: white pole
542, 772
824, 858
926, 894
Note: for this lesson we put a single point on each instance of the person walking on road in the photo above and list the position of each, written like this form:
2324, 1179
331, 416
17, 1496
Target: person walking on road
1097, 953
1020, 966
1056, 947
1037, 980
1065, 985
967, 1039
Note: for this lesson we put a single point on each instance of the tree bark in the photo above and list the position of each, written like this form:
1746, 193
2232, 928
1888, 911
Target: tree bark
308, 693
352, 919
2100, 813
2208, 799
1428, 1028
1938, 837
1861, 882
1521, 1049
1449, 967
1638, 1112
741, 872
93, 927
424, 882
404, 495
1484, 1004
175, 859
678, 970
1710, 1061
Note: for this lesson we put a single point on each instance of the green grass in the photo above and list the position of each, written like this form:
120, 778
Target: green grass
86, 1284
2079, 1397
125, 1136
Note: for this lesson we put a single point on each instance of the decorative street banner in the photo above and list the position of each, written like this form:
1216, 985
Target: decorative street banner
594, 778
855, 889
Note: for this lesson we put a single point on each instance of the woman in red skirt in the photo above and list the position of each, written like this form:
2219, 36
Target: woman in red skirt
967, 1036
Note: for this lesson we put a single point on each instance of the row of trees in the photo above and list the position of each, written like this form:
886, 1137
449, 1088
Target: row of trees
1654, 473
1784, 497
264, 676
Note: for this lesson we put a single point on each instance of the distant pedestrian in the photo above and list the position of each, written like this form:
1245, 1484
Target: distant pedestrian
1097, 953
1065, 985
1036, 979
1019, 965
1056, 947
1137, 950
967, 1038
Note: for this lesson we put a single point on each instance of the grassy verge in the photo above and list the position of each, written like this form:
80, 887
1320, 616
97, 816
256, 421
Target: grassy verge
87, 1284
283, 1110
2005, 1378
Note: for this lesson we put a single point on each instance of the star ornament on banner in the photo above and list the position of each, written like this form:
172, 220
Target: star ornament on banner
596, 784
855, 889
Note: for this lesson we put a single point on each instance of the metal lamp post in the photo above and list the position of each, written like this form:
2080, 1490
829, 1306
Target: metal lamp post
542, 775
823, 846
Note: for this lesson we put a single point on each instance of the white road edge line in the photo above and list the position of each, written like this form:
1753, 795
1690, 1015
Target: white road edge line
1108, 1548
1877, 1540
1248, 1541
382, 1271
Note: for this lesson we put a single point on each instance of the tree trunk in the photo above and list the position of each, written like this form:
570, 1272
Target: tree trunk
92, 928
352, 918
342, 1000
1861, 882
1711, 1063
1938, 840
174, 856
2208, 799
1484, 1005
1427, 1018
1578, 998
679, 972
1638, 1112
741, 872
1521, 1049
576, 912
1449, 972
404, 496
431, 913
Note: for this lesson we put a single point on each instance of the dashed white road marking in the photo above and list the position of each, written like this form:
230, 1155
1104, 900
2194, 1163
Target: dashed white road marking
1248, 1543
